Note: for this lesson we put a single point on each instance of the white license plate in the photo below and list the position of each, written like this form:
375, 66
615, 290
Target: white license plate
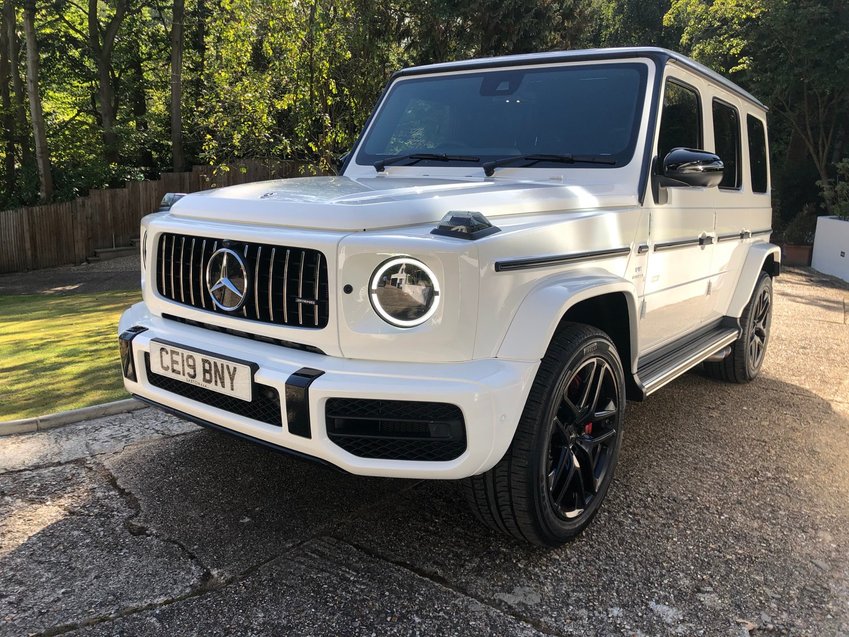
222, 375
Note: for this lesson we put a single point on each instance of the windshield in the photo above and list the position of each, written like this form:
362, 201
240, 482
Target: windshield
592, 111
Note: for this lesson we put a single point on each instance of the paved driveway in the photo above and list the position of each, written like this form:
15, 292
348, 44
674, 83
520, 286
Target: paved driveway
729, 516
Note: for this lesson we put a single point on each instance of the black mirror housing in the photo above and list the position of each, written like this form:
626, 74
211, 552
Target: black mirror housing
691, 167
341, 162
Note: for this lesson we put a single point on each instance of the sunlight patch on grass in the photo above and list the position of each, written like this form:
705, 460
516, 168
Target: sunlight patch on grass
60, 352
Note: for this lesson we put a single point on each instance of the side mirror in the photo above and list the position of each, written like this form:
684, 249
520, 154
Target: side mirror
689, 167
169, 200
341, 162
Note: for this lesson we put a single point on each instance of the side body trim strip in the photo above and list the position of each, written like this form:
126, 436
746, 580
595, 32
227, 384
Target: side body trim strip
680, 243
557, 259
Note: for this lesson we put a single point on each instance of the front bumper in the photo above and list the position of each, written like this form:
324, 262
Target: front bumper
490, 393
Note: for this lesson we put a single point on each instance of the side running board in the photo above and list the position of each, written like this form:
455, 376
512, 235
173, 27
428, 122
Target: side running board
660, 368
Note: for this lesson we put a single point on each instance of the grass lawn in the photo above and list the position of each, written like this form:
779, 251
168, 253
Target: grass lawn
60, 352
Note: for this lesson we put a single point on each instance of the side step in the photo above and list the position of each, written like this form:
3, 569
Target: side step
666, 365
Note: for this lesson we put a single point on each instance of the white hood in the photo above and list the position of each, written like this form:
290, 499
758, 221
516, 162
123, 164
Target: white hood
345, 204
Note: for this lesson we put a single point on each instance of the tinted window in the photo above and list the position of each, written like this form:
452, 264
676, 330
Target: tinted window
757, 153
681, 121
588, 110
726, 136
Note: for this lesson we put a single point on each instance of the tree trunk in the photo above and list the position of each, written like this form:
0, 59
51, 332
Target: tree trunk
177, 86
9, 177
21, 124
41, 156
138, 103
106, 97
197, 43
101, 41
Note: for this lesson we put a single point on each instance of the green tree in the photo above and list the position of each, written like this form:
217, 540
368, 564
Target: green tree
794, 54
630, 23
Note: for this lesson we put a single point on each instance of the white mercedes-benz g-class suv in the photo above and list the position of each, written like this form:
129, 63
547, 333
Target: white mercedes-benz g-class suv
514, 247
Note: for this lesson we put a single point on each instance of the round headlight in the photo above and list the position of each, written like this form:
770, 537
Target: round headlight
144, 251
404, 292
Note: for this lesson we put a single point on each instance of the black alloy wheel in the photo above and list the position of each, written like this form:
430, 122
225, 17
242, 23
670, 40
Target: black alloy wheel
549, 485
744, 362
582, 437
761, 317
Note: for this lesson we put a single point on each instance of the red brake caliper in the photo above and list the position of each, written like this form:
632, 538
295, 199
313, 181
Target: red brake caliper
588, 429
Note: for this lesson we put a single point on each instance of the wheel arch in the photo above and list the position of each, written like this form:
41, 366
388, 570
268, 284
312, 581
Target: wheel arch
604, 301
762, 257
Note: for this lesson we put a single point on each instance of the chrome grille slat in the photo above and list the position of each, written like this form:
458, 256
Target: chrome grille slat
173, 244
270, 283
160, 260
317, 281
245, 306
301, 288
182, 263
202, 274
214, 248
191, 271
256, 281
181, 268
286, 288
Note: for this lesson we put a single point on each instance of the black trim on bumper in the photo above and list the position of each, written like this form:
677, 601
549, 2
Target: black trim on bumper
125, 343
298, 401
264, 407
237, 434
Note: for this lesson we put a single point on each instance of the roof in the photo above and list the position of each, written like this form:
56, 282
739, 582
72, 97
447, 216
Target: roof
658, 55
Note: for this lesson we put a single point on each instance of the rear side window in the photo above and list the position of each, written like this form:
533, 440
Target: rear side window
726, 135
681, 121
757, 153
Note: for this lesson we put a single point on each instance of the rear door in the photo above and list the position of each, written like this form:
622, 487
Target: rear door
743, 206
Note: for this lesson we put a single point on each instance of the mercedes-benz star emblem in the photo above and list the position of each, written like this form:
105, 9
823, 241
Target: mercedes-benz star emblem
227, 279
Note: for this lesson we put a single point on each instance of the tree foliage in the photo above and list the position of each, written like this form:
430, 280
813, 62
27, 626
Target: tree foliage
794, 54
125, 95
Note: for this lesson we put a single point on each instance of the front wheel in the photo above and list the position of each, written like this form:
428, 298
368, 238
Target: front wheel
558, 469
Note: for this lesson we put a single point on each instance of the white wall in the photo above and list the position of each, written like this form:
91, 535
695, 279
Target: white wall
831, 247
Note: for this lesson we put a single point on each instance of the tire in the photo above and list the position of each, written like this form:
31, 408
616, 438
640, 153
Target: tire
747, 355
549, 485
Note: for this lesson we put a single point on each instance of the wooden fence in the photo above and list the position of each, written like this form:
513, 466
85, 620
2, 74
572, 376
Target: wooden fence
69, 232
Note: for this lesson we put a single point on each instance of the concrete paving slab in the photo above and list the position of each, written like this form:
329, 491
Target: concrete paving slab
235, 504
69, 555
81, 440
325, 587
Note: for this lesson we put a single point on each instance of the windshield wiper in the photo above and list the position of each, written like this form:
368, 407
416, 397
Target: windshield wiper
534, 158
417, 157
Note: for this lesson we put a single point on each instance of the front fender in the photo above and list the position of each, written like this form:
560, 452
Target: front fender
758, 254
533, 326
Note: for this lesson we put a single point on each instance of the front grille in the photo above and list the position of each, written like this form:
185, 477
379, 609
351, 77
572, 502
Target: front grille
396, 429
285, 285
265, 406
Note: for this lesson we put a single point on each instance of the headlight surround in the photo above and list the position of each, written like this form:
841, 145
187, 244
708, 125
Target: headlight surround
404, 292
144, 250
